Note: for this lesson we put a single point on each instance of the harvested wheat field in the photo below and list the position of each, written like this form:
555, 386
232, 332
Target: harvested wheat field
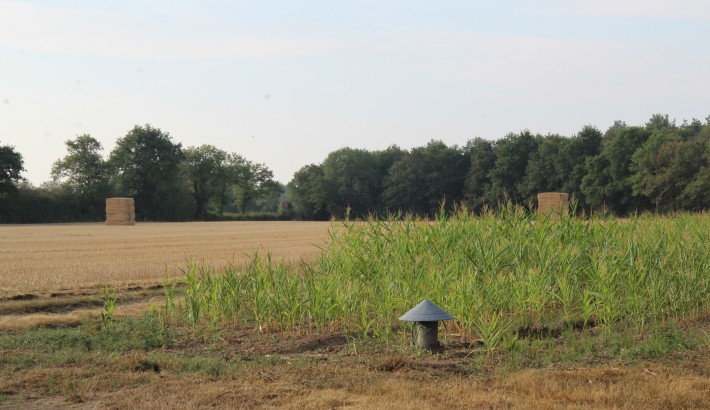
62, 257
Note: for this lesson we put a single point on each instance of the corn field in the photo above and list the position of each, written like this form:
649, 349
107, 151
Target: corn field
493, 272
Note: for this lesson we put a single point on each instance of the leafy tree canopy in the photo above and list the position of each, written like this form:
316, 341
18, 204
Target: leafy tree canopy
146, 162
11, 167
83, 169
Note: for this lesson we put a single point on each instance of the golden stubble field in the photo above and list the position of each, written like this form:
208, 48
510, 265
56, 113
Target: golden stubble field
59, 257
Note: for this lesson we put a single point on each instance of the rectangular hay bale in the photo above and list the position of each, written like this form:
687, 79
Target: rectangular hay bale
553, 204
120, 211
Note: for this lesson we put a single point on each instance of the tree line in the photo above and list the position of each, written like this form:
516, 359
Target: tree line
661, 166
168, 182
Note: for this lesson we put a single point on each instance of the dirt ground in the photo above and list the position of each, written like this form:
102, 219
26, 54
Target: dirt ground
245, 368
324, 372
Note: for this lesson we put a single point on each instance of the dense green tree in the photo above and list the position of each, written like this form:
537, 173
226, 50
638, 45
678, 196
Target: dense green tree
477, 187
572, 161
663, 166
224, 180
347, 179
508, 174
146, 162
543, 171
384, 160
612, 131
275, 203
690, 129
253, 182
50, 202
696, 194
85, 173
205, 168
607, 185
660, 122
352, 181
420, 181
307, 193
11, 167
667, 165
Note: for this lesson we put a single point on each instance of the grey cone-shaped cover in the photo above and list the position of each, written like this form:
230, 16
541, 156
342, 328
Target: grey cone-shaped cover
426, 311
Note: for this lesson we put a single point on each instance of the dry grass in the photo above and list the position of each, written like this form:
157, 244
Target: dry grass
348, 384
37, 320
73, 318
56, 257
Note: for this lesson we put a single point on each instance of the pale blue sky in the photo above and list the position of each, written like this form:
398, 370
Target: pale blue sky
286, 82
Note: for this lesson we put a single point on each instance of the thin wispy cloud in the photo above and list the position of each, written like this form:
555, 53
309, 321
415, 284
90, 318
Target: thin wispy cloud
56, 30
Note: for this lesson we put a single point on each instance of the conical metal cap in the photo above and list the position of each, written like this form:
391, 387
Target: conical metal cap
426, 311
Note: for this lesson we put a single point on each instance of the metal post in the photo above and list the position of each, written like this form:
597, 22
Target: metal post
428, 335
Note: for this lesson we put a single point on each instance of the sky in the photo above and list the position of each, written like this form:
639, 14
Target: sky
285, 82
